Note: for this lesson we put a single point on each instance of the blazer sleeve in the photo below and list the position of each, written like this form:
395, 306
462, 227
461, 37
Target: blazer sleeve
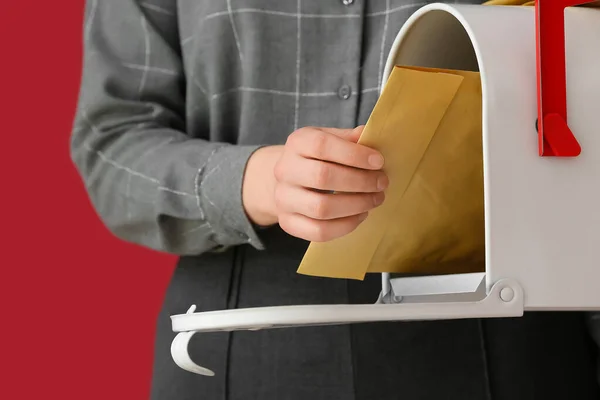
150, 182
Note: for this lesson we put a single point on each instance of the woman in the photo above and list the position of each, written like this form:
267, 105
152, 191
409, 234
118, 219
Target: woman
192, 139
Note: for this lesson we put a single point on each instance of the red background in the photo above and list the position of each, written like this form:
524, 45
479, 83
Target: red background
78, 305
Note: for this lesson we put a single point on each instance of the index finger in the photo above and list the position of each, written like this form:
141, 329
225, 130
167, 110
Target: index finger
351, 135
326, 146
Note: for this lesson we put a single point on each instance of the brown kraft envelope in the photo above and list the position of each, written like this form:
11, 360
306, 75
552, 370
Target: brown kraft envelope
427, 124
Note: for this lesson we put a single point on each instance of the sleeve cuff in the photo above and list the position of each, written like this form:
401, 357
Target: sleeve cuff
220, 190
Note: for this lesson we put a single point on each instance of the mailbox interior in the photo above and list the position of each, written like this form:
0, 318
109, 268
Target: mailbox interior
437, 39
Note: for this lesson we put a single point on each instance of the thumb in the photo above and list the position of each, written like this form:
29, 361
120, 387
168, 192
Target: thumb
351, 135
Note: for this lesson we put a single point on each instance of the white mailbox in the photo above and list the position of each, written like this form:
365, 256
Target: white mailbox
541, 152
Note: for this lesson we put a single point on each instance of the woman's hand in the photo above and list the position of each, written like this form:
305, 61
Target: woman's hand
293, 184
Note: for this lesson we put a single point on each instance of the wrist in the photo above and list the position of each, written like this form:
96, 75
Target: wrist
259, 186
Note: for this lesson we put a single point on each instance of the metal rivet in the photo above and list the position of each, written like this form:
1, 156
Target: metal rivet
507, 294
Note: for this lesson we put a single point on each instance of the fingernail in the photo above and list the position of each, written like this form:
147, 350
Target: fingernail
376, 160
362, 217
382, 182
378, 199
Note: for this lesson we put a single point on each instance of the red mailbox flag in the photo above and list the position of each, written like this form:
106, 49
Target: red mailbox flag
555, 136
